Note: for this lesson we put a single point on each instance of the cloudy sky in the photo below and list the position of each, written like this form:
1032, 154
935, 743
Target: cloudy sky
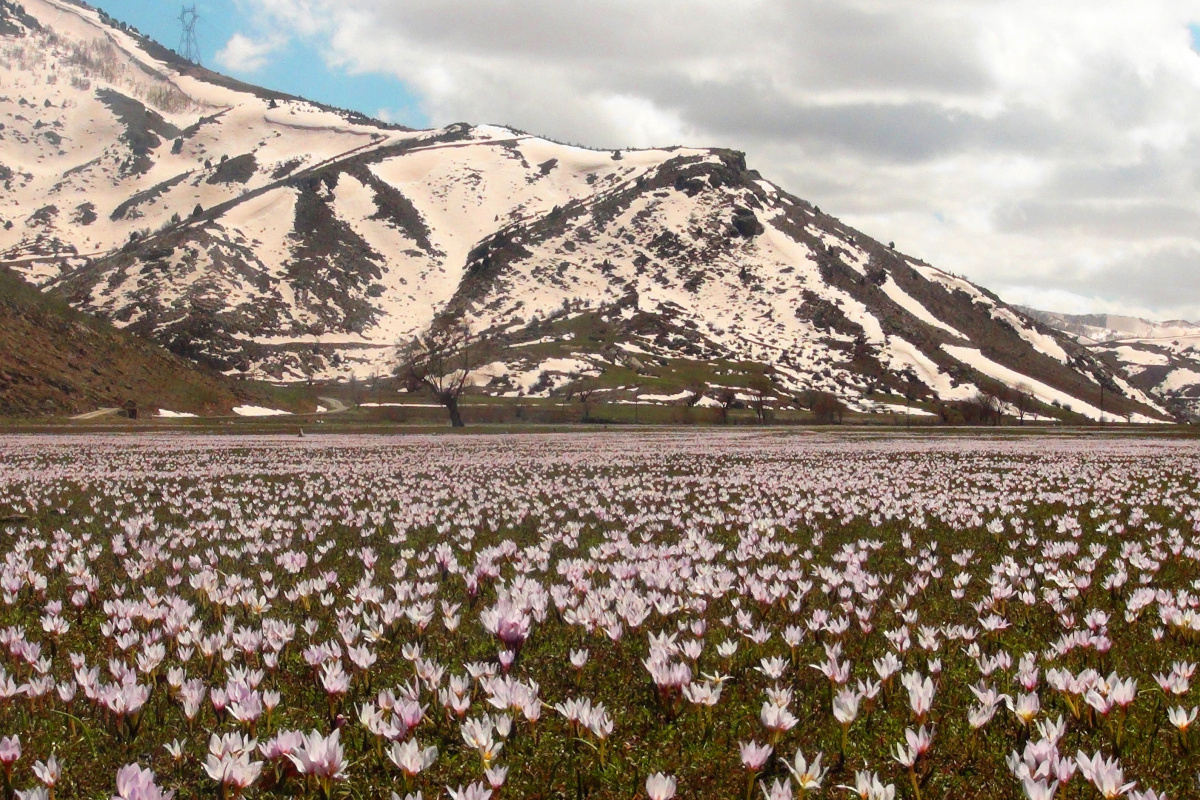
1049, 149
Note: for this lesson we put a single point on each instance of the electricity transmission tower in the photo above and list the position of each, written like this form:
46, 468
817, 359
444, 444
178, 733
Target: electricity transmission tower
188, 48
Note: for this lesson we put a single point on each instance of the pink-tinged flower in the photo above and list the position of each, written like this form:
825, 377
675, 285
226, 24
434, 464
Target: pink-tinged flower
887, 666
281, 745
868, 787
228, 762
773, 667
920, 694
754, 755
10, 750
703, 694
231, 770
49, 771
506, 622
1172, 683
1025, 707
1105, 774
1039, 789
845, 706
175, 749
125, 700
248, 708
334, 678
457, 703
321, 756
1180, 717
1147, 794
1121, 692
409, 757
361, 657
191, 695
496, 776
917, 744
837, 673
776, 718
410, 713
660, 786
1052, 730
135, 783
778, 791
1102, 703
474, 791
1041, 759
905, 756
10, 753
978, 716
921, 740
668, 677
808, 776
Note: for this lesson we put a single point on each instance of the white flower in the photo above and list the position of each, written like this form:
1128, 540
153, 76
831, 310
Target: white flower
1181, 718
808, 776
410, 758
779, 791
660, 786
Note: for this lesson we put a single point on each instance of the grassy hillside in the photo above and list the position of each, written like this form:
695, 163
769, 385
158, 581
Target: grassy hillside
55, 360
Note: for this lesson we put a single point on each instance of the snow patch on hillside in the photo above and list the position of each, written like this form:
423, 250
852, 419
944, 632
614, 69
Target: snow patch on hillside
1044, 393
912, 306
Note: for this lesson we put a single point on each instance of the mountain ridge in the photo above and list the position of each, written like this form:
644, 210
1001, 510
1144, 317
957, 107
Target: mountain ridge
1160, 358
1100, 328
271, 237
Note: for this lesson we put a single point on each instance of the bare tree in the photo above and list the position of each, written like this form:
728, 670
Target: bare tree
727, 397
568, 391
994, 404
585, 389
983, 408
827, 408
912, 393
760, 386
440, 362
1022, 400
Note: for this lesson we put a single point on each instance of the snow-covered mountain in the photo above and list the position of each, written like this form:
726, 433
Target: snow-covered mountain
1166, 368
1160, 358
274, 237
1099, 328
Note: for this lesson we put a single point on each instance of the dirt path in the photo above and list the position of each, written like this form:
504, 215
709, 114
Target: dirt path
100, 412
334, 405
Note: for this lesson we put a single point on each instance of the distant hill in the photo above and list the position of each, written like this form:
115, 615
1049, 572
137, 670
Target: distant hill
267, 236
1161, 359
1090, 328
56, 360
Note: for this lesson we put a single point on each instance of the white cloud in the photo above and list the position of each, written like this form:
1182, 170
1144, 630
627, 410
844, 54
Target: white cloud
243, 54
1058, 141
644, 123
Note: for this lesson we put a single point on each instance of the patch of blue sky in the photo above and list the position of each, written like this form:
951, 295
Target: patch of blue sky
297, 66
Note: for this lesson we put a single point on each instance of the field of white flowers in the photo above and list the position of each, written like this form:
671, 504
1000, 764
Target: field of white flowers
715, 615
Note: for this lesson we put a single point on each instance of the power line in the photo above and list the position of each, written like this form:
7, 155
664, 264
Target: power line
188, 48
